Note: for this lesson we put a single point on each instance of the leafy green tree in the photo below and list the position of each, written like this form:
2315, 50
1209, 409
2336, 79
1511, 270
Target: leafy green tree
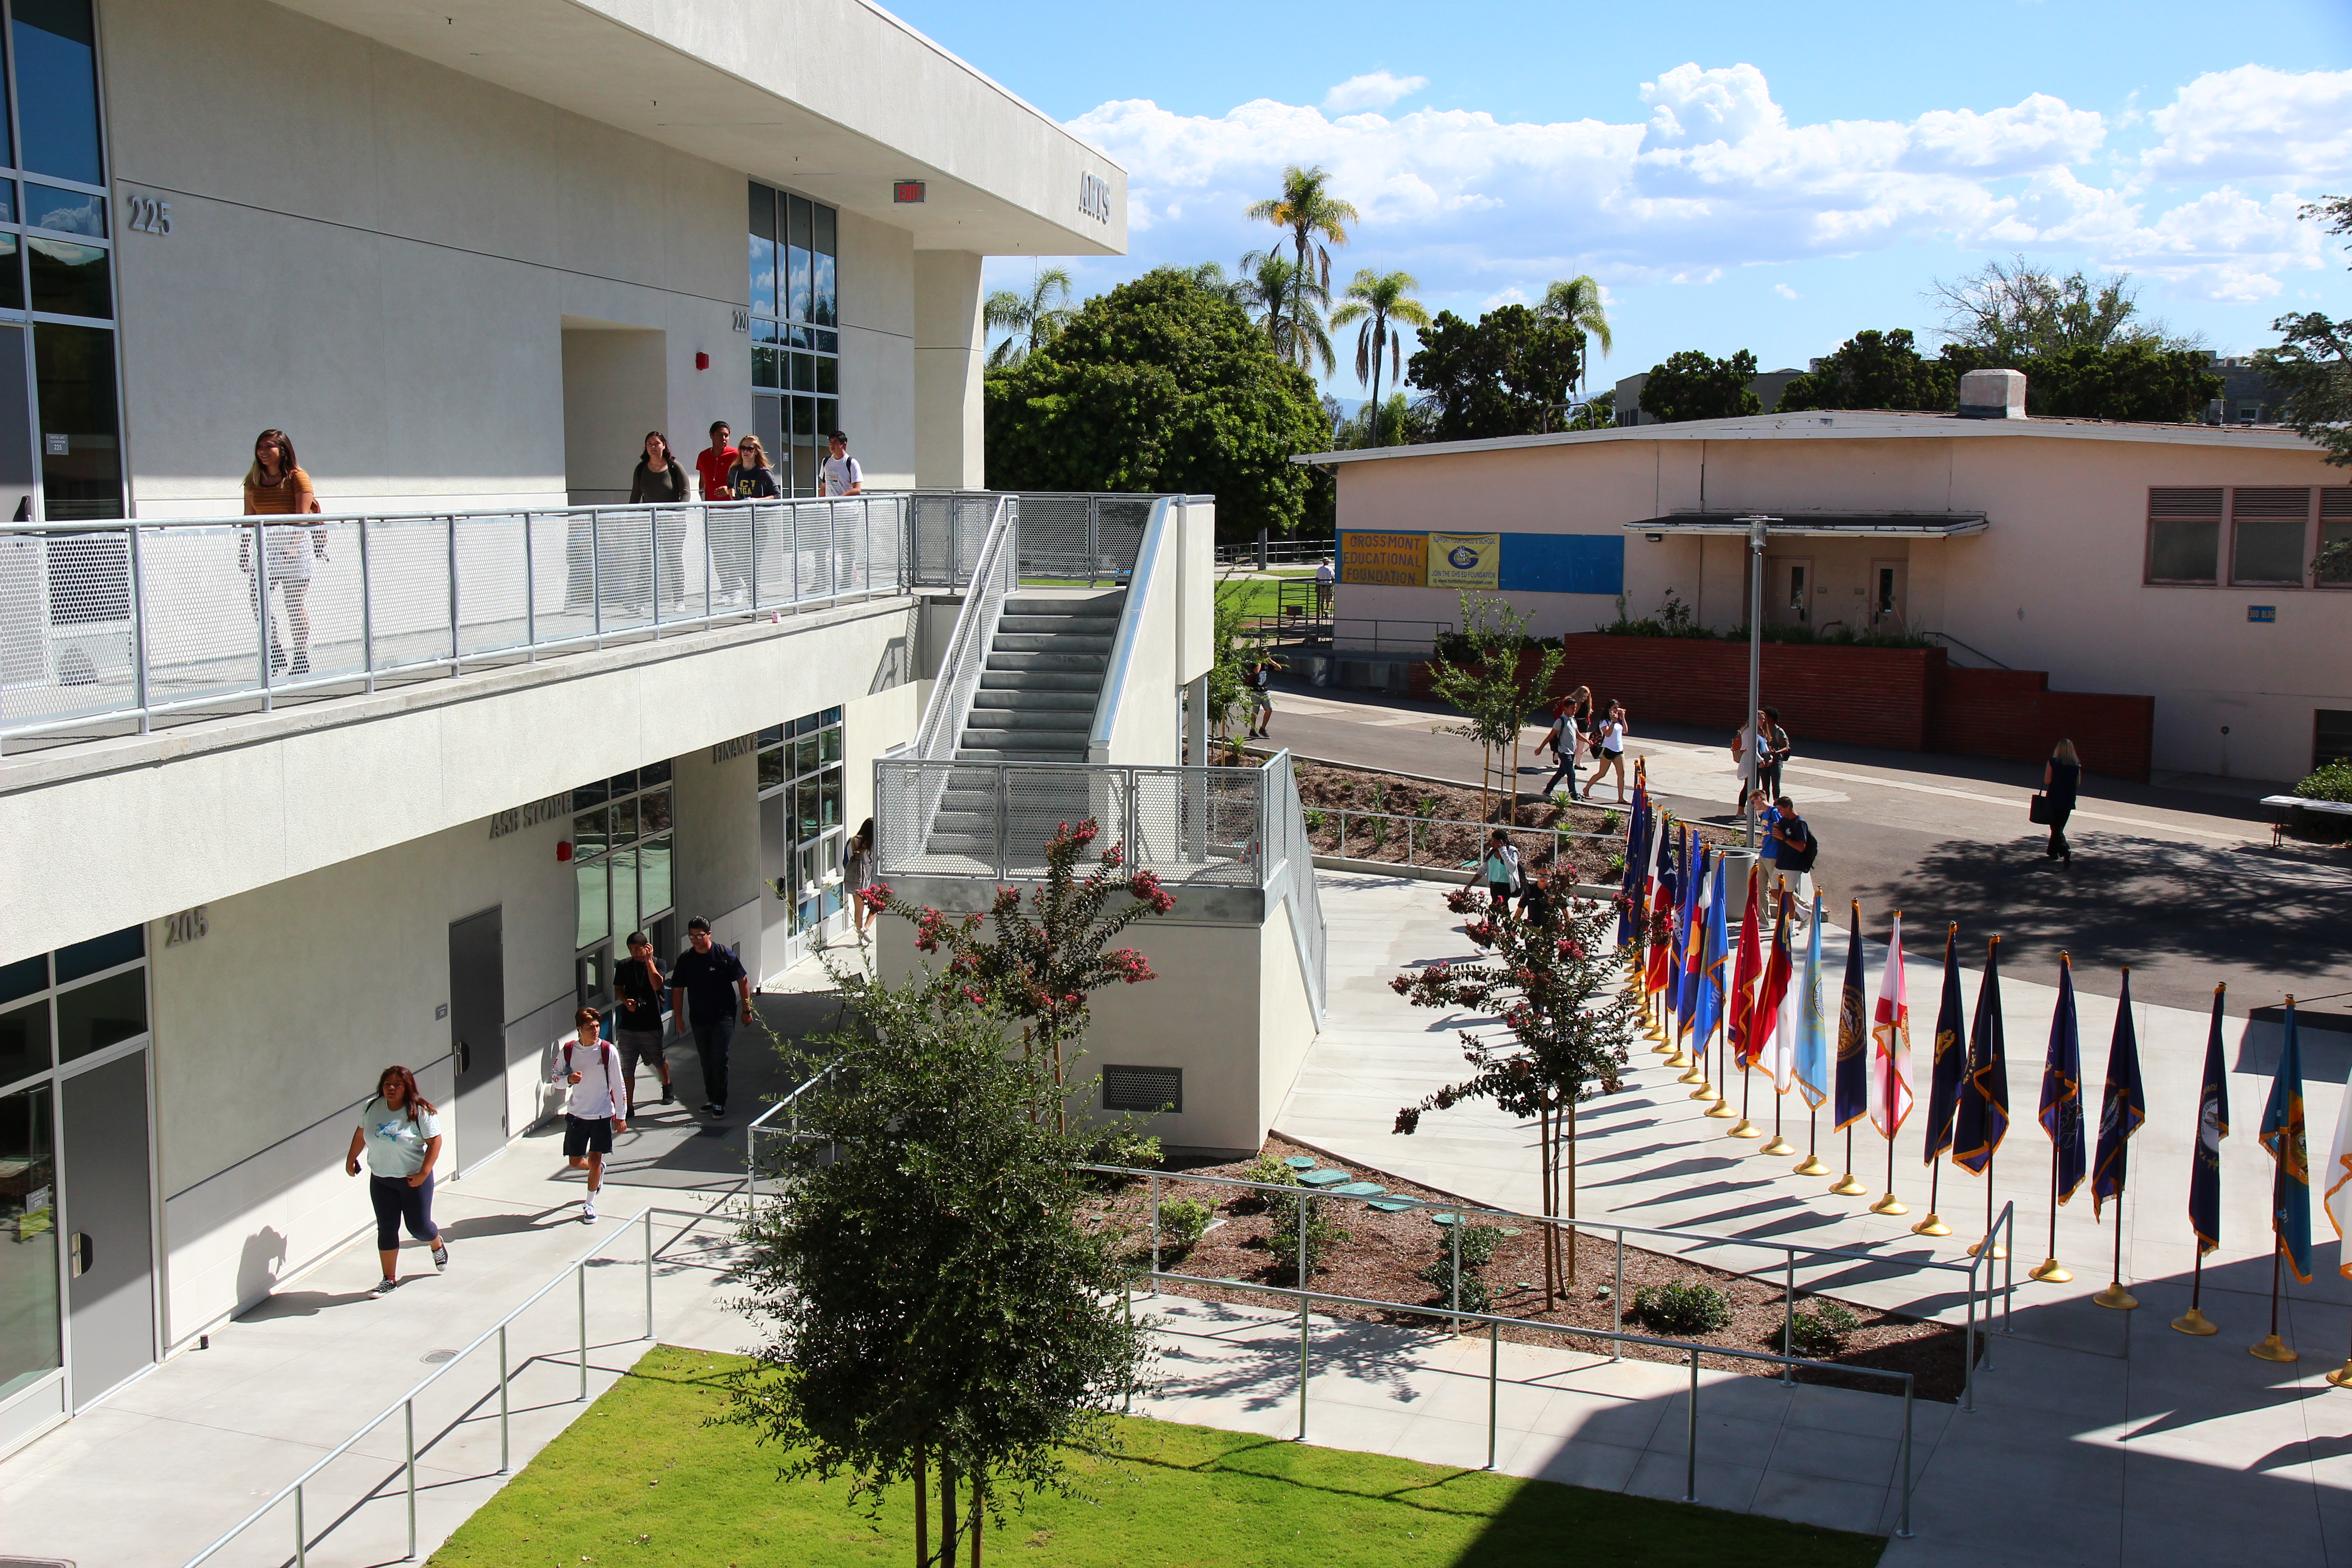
1480, 672
1029, 320
1379, 301
1160, 386
2312, 364
1575, 303
1692, 386
1288, 304
1400, 422
930, 1299
2139, 380
1509, 375
2017, 311
1316, 218
1873, 370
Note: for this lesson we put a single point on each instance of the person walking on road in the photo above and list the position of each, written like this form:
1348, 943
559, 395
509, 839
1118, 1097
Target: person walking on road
710, 989
639, 986
598, 1105
1608, 748
400, 1137
2061, 776
1261, 695
1562, 739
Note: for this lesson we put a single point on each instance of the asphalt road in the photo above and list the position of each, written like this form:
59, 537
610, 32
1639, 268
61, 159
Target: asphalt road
2181, 885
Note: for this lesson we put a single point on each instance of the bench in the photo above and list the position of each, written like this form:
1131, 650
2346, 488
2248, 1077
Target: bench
2284, 806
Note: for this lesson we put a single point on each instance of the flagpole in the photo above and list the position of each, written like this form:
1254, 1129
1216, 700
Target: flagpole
2050, 1271
1721, 1109
2115, 1295
2273, 1348
1890, 1204
1779, 1145
1810, 1165
1847, 1186
2194, 1320
1934, 1224
1998, 1251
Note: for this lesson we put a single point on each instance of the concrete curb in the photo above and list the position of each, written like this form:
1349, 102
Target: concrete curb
1455, 876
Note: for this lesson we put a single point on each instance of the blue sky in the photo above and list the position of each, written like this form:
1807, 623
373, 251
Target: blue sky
1737, 176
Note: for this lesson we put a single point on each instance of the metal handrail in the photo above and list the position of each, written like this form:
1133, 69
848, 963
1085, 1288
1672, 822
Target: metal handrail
968, 645
1949, 637
1156, 535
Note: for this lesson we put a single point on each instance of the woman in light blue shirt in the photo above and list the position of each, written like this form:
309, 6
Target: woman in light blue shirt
400, 1137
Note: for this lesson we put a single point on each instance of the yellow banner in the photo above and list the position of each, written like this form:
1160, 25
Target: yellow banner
1395, 560
1465, 560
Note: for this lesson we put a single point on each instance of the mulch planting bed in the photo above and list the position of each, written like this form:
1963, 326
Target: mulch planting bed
1385, 1253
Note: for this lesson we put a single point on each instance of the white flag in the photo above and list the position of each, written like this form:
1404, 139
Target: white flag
1890, 1044
2339, 1175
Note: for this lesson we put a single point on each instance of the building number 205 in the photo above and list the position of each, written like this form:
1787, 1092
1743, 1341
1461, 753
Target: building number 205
147, 215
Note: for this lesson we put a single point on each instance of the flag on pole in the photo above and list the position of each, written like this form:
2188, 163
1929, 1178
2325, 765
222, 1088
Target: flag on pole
1853, 1036
2123, 1105
1749, 970
1772, 1025
1810, 1060
2062, 1088
1663, 905
1890, 1043
2339, 1198
2212, 1126
1689, 952
1981, 1121
1637, 826
1950, 1058
2283, 1135
1716, 952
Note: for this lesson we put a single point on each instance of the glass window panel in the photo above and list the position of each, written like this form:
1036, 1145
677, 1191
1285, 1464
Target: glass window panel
2268, 550
764, 212
624, 875
73, 368
768, 413
93, 1016
7, 191
830, 716
798, 284
763, 366
804, 759
2336, 531
100, 953
804, 454
623, 783
11, 274
763, 332
824, 241
799, 232
30, 1344
820, 291
653, 813
826, 343
828, 378
771, 767
805, 813
624, 821
772, 734
73, 212
589, 832
828, 414
56, 89
2182, 551
807, 724
70, 279
652, 877
794, 336
595, 922
24, 977
23, 1045
830, 798
654, 774
763, 276
588, 794
829, 744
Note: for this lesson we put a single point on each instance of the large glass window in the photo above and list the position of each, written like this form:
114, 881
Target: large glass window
2268, 527
2336, 528
621, 842
801, 763
29, 1341
795, 346
56, 88
2184, 535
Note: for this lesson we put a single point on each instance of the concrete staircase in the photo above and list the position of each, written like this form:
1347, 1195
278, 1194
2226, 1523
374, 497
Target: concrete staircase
1043, 676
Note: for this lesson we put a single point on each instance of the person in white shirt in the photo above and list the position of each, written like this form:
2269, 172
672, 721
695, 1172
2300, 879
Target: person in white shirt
598, 1105
839, 474
1324, 578
1608, 745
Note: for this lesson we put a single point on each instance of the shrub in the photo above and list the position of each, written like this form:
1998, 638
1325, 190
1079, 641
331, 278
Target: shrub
1182, 1222
1824, 1329
1683, 1309
1122, 1145
1322, 1236
1269, 1169
1439, 1276
2332, 782
1479, 1244
1610, 822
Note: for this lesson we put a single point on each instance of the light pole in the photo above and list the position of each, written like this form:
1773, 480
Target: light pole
1751, 766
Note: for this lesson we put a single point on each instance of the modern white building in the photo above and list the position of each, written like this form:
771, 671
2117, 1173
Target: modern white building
279, 806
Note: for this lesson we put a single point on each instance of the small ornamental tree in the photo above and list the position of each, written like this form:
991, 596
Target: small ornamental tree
1041, 962
932, 1302
1493, 687
1568, 1022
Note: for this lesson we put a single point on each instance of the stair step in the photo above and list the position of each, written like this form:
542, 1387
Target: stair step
1091, 625
1053, 642
1058, 720
985, 754
1081, 698
1036, 682
1081, 663
1110, 603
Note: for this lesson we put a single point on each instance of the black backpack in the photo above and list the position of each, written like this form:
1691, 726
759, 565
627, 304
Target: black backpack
1801, 859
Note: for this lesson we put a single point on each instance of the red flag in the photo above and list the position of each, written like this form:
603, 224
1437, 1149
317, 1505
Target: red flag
1744, 1037
1777, 969
1662, 950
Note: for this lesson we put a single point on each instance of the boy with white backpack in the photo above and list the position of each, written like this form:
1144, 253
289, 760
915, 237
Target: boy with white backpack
597, 1105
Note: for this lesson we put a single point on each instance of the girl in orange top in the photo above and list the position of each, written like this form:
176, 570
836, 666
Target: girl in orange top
275, 486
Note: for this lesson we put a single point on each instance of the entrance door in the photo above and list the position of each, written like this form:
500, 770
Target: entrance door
1888, 610
1788, 591
777, 887
477, 1034
110, 1228
17, 479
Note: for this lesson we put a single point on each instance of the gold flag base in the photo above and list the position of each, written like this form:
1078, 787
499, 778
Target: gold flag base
1721, 1110
2117, 1297
1849, 1187
2049, 1271
2342, 1377
2273, 1348
1779, 1145
1674, 1059
1932, 1226
1746, 1129
1890, 1204
2195, 1322
1691, 1074
1997, 1253
1810, 1165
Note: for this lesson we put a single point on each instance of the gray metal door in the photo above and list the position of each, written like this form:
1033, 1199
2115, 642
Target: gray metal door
477, 1036
109, 1227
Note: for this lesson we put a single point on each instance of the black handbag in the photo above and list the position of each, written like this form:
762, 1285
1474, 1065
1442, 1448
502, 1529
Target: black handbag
2038, 811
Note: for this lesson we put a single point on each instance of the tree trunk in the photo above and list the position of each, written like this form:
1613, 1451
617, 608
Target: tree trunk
947, 1512
922, 1508
1572, 1193
1544, 1181
975, 1522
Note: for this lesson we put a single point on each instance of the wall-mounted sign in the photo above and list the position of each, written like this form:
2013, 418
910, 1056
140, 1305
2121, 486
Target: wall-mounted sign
727, 751
740, 320
1465, 560
55, 444
187, 926
906, 191
514, 819
1094, 197
146, 215
1392, 560
2267, 613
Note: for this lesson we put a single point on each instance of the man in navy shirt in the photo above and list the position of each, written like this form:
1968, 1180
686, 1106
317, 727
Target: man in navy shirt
710, 989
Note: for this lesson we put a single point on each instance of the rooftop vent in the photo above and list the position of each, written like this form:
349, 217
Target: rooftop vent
1992, 395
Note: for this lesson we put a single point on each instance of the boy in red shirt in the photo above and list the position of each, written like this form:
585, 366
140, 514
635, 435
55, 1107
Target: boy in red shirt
713, 461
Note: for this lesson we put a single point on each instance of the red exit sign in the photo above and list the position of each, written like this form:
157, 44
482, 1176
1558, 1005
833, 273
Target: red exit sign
906, 191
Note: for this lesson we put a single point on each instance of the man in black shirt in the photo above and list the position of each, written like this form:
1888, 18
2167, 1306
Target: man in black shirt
637, 1020
710, 989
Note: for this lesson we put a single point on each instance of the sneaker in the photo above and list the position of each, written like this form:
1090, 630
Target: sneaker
716, 1111
669, 1096
588, 1207
712, 1107
441, 1255
385, 1286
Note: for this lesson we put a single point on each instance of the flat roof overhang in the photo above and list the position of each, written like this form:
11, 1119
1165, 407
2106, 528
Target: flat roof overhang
835, 98
1822, 524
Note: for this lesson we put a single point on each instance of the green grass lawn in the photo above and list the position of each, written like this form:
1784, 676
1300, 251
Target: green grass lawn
640, 1479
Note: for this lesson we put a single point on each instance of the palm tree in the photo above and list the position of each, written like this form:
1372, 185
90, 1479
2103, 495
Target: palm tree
1575, 303
1286, 302
1379, 300
1311, 213
1031, 320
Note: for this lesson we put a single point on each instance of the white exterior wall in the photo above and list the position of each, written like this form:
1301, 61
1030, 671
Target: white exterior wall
950, 346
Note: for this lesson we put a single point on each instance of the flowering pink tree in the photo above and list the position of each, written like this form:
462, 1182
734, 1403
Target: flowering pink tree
1042, 962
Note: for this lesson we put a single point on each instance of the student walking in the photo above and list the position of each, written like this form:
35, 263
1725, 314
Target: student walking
2061, 776
1777, 751
1608, 748
400, 1137
659, 480
839, 474
712, 464
639, 986
858, 875
598, 1105
1261, 696
1755, 757
1499, 869
752, 478
275, 486
1794, 849
710, 989
1562, 739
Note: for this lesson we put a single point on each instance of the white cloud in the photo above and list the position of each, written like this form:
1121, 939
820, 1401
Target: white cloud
1783, 290
1374, 89
2254, 123
1513, 295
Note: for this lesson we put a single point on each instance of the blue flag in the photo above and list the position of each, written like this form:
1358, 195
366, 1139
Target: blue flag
1852, 1035
1813, 1050
2283, 1135
2212, 1126
2123, 1105
1982, 1121
1692, 956
1717, 949
1950, 1056
2062, 1089
1637, 844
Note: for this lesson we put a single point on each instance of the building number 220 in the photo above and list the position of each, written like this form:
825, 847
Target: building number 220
147, 215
